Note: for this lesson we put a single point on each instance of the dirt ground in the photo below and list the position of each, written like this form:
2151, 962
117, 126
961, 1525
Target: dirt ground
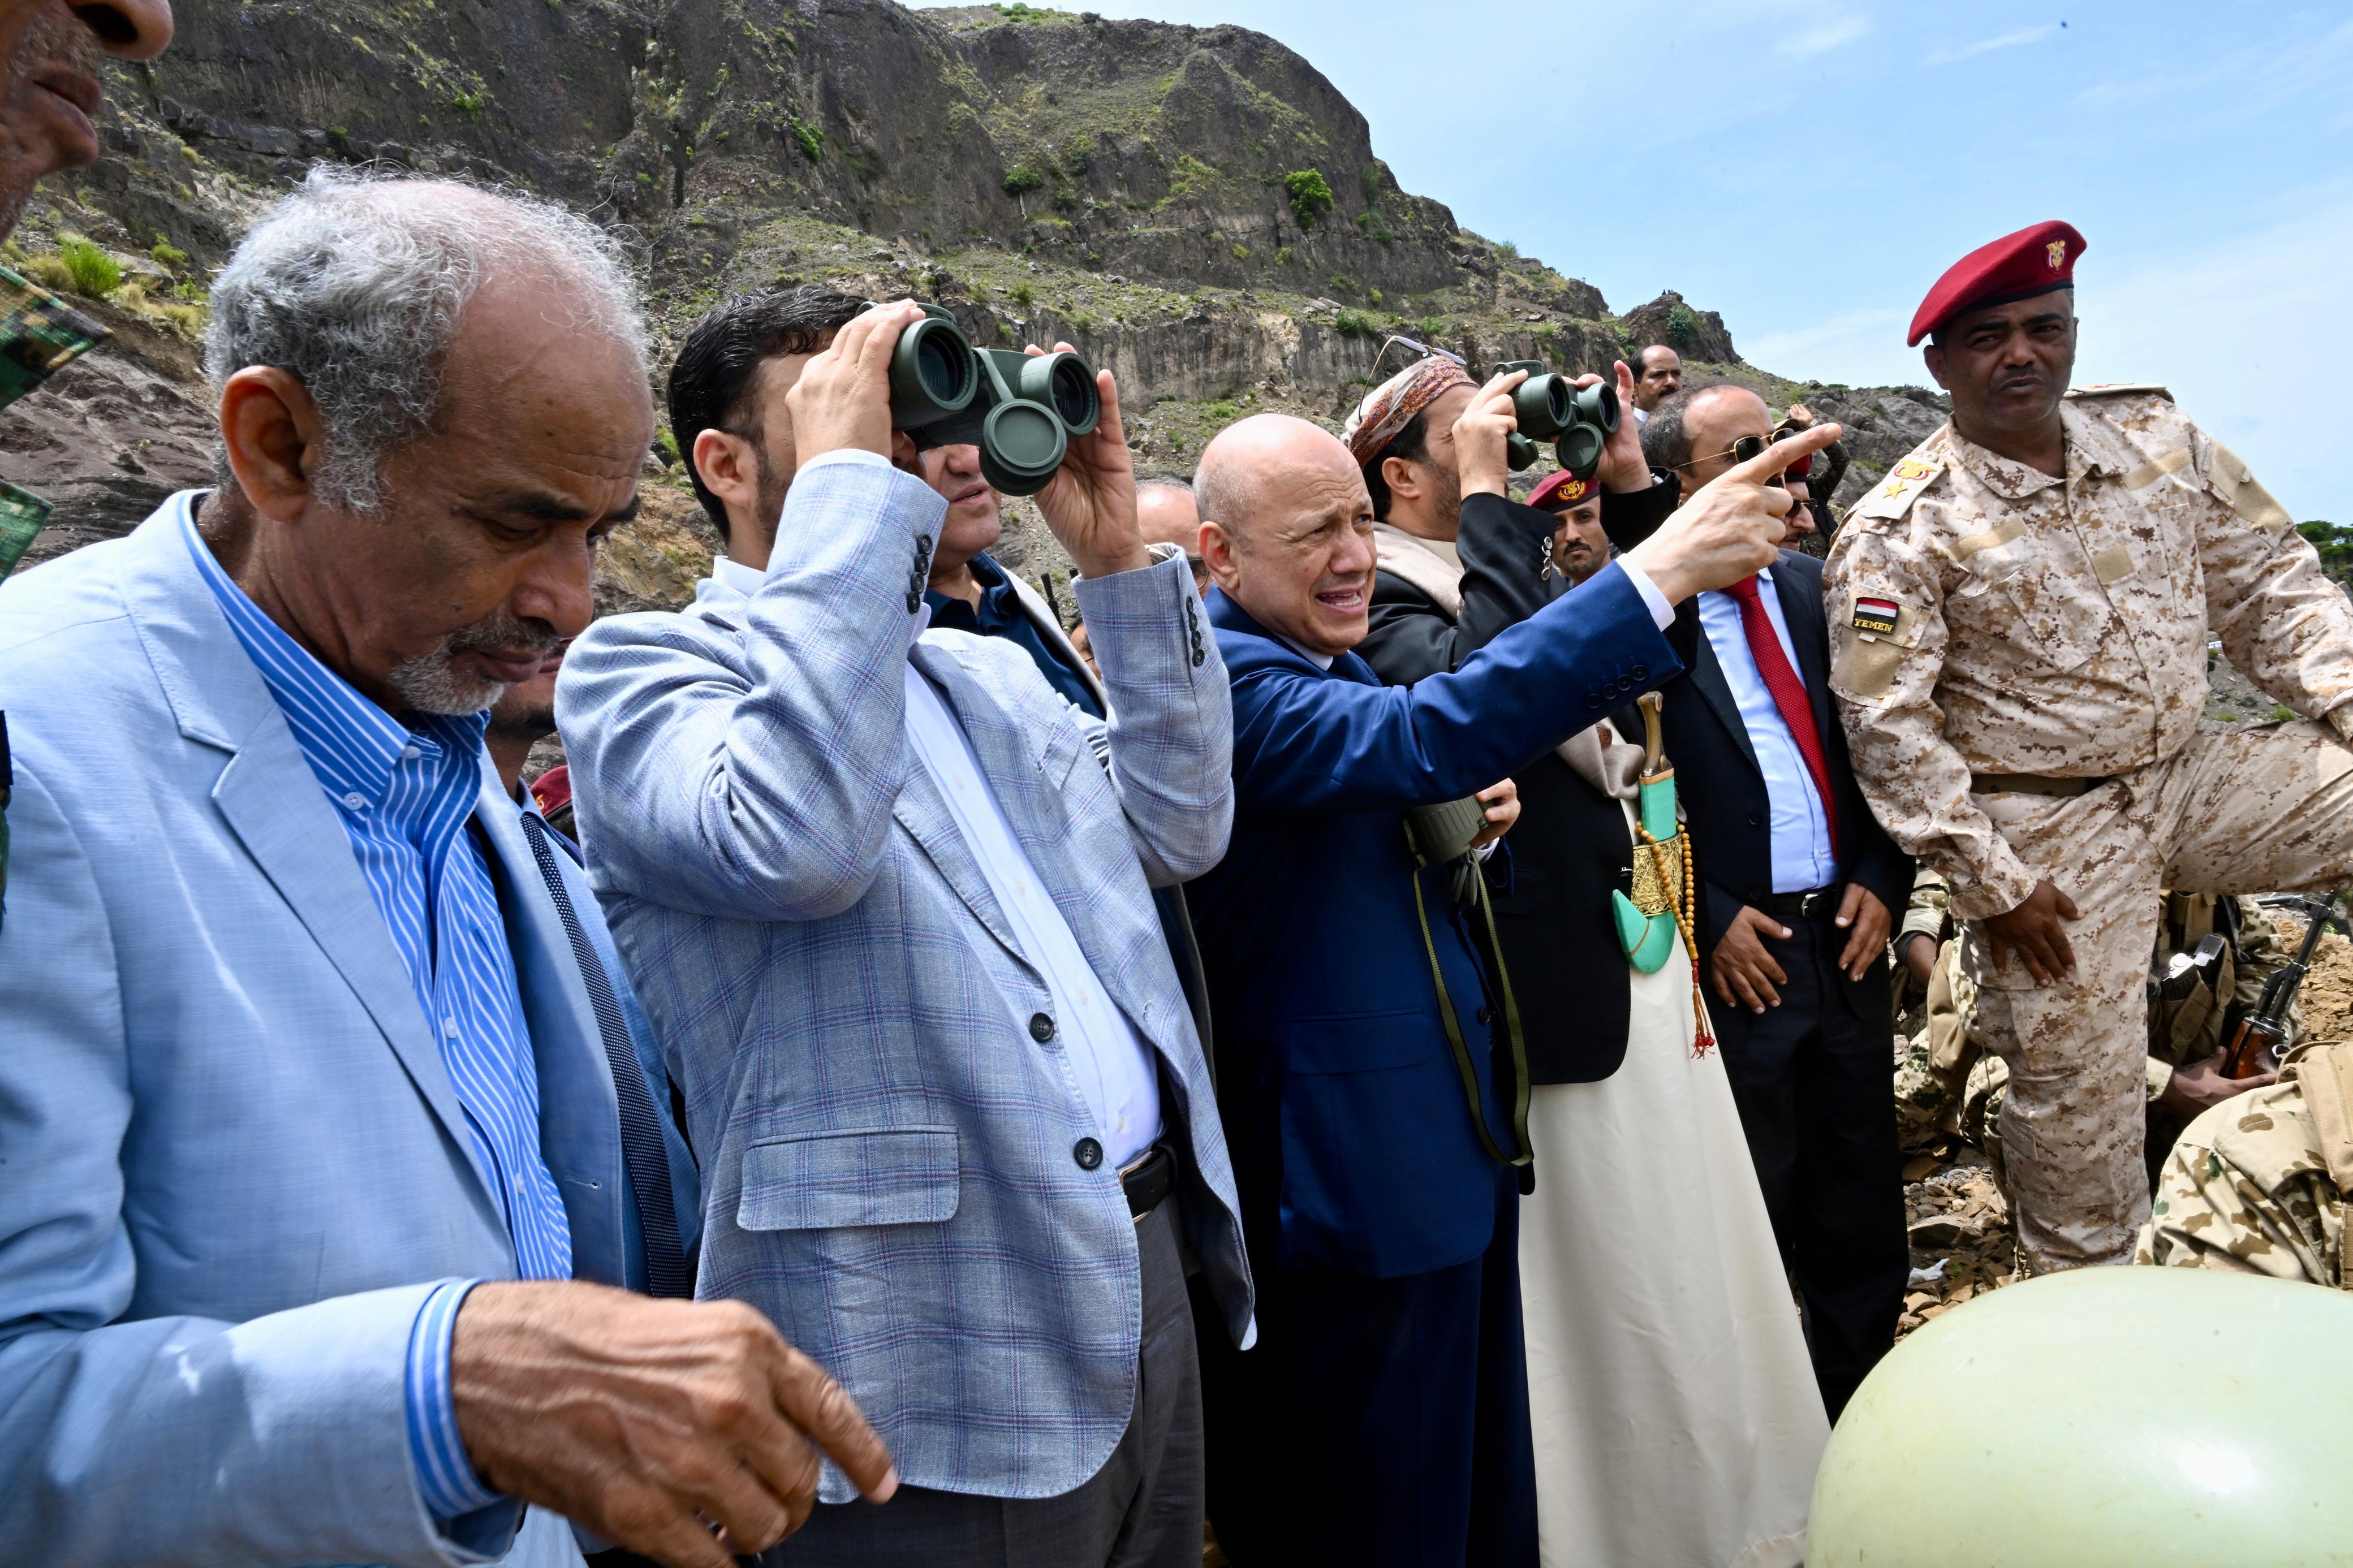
1961, 1237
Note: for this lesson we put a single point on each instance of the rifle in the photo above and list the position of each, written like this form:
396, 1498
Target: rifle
2262, 1033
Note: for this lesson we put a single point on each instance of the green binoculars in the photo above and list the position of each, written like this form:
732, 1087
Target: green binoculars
1578, 420
1021, 410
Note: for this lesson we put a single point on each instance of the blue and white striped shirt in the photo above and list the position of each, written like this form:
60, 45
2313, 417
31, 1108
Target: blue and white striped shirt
405, 793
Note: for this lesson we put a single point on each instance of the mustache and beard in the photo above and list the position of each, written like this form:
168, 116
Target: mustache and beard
55, 36
436, 683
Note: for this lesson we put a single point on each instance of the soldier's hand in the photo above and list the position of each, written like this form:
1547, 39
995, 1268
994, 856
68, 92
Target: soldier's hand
1866, 922
2032, 933
1919, 951
1746, 974
2199, 1086
1731, 528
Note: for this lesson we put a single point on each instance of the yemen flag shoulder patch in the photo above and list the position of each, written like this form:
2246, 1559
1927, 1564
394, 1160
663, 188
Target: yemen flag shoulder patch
1877, 616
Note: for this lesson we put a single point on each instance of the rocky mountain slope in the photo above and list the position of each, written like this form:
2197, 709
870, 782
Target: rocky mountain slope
1198, 208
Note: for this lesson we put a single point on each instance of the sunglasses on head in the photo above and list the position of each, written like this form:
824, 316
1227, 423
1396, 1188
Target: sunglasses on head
1749, 447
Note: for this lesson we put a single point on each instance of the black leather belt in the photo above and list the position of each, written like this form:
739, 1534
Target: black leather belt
2032, 783
1804, 906
1151, 1177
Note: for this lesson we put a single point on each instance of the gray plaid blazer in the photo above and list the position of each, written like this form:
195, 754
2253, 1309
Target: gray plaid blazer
888, 1157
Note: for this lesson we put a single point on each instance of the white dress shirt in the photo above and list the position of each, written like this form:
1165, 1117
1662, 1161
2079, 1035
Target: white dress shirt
1800, 839
1115, 1068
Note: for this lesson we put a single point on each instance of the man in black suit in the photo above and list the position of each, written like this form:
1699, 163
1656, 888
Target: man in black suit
1796, 883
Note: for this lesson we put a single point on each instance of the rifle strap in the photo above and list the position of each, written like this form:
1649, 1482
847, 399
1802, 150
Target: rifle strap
1521, 1155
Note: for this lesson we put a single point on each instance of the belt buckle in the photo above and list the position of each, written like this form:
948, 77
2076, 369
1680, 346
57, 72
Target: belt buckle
1140, 1164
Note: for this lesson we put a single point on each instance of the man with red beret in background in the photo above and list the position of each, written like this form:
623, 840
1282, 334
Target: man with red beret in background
2018, 618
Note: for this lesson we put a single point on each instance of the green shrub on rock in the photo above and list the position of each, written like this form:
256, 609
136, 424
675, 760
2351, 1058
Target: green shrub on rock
1311, 197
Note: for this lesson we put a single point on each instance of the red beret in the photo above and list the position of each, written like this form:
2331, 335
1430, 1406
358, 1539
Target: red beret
1564, 489
2016, 267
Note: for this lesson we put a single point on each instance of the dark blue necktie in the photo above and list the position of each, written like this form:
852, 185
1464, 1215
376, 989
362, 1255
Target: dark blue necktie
668, 1271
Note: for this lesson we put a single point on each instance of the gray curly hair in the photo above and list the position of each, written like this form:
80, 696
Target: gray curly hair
354, 282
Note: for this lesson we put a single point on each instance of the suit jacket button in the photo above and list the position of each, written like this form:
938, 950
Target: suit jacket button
1487, 1014
1640, 673
1087, 1152
1042, 1028
1756, 819
1593, 702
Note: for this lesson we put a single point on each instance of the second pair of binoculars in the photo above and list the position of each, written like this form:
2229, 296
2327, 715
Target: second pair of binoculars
1578, 420
1021, 410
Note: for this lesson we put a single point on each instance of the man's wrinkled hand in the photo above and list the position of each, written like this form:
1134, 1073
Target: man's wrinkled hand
1866, 923
1731, 528
1090, 503
640, 1419
1623, 467
2032, 933
2200, 1086
1503, 803
1747, 974
1482, 436
843, 400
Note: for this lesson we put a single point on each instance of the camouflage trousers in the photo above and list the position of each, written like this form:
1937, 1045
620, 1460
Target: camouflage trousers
2261, 808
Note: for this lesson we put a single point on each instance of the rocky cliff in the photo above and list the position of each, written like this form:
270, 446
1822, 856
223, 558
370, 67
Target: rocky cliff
1198, 208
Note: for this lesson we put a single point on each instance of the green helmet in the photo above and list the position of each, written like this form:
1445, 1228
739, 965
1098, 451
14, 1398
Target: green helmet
2073, 1421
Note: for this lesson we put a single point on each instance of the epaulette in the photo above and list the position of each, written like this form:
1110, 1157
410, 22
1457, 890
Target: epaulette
1893, 495
2120, 389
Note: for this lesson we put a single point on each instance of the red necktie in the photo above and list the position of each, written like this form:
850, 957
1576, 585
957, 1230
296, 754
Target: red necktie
1788, 695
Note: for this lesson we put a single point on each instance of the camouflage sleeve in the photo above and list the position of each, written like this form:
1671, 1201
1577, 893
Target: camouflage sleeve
2259, 956
1883, 591
2212, 1211
1930, 906
2156, 1077
2284, 625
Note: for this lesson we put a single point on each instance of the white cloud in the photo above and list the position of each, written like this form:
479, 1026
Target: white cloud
2243, 83
1830, 33
1988, 46
1859, 348
2247, 331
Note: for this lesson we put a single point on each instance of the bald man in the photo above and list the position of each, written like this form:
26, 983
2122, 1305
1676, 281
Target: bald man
1383, 1416
1166, 513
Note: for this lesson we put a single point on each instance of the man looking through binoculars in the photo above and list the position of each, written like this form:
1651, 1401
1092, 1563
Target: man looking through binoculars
887, 896
1419, 476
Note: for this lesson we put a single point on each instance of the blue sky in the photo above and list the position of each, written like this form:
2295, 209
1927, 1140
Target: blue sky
1809, 168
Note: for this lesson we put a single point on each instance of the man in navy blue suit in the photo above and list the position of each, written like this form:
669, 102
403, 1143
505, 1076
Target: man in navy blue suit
1382, 1417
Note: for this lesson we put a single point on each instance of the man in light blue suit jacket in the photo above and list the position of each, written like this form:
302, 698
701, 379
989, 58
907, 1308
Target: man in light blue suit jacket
322, 1144
892, 914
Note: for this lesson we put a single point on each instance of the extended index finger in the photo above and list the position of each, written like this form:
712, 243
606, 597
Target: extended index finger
1778, 454
823, 1409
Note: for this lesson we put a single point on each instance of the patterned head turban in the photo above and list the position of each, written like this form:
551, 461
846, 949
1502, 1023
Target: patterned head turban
1388, 407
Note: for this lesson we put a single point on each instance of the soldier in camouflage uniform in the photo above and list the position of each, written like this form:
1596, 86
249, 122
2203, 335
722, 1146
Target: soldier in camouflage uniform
2020, 653
42, 131
1949, 1085
2260, 1184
